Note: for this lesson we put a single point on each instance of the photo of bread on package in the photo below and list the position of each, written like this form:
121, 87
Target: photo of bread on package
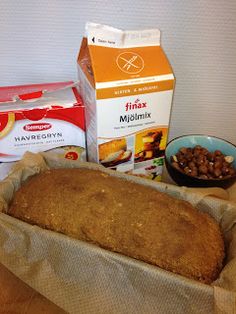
113, 153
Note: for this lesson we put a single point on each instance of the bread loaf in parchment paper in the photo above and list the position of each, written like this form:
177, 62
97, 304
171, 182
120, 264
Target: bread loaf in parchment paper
125, 217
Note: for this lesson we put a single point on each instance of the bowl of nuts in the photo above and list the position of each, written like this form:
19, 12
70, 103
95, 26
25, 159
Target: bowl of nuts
201, 161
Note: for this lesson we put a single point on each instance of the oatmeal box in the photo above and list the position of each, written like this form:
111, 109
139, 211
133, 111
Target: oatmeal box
41, 117
127, 85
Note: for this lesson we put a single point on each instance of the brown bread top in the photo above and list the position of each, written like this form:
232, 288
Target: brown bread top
124, 217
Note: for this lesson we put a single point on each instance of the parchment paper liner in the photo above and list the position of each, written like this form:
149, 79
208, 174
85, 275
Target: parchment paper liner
82, 278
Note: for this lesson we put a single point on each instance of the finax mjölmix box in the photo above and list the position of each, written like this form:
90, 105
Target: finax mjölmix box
127, 86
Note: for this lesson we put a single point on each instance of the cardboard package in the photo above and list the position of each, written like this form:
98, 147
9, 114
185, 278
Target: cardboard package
127, 85
82, 278
41, 117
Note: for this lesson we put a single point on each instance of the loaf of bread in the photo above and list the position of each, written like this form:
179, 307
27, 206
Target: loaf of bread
125, 217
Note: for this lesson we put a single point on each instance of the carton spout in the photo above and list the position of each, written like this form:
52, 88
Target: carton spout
106, 36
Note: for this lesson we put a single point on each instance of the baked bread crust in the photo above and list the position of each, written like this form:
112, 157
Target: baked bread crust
125, 217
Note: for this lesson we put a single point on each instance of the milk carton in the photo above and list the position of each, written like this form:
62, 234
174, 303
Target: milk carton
127, 86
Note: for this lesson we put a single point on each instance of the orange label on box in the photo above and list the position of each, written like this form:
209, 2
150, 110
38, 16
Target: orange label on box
134, 63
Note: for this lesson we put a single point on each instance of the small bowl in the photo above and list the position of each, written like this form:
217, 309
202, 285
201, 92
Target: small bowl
211, 143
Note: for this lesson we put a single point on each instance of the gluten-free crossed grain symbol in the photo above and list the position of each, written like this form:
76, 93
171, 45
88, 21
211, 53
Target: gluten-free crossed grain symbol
130, 62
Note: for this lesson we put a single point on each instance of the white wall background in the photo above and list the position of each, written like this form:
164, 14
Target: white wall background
40, 39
